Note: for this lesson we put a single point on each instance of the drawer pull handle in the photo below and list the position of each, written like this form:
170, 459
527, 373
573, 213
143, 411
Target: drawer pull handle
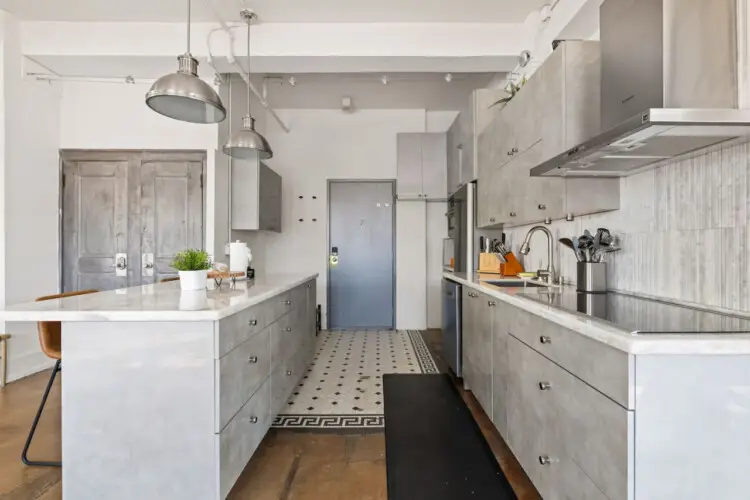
491, 303
253, 420
512, 214
542, 207
545, 386
546, 460
288, 373
309, 285
545, 340
252, 322
492, 220
252, 360
288, 329
287, 302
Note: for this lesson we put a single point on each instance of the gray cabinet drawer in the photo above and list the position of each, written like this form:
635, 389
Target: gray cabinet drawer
599, 365
240, 438
283, 336
238, 375
552, 413
285, 378
283, 303
236, 329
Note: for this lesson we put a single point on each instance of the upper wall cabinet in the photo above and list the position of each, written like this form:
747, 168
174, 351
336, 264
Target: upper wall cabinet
256, 196
421, 166
463, 135
557, 109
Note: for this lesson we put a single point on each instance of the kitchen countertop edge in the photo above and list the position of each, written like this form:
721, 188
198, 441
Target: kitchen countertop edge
612, 335
43, 311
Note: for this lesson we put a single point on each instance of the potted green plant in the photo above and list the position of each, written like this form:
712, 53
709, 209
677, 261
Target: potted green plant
511, 89
193, 266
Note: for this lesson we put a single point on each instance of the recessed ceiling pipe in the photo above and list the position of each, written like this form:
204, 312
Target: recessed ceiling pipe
226, 28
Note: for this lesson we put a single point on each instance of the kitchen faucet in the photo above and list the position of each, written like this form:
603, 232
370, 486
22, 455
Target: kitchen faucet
548, 275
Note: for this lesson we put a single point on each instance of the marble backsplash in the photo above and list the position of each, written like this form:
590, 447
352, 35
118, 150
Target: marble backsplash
683, 228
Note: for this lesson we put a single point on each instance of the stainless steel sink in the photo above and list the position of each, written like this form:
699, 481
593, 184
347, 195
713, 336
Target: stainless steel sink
515, 283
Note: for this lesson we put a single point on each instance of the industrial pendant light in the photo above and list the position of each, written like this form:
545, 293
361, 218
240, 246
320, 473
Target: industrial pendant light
246, 142
182, 95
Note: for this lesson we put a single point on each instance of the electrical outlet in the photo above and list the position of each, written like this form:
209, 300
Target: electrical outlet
226, 249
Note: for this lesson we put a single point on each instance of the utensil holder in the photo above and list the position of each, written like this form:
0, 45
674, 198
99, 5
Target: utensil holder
591, 277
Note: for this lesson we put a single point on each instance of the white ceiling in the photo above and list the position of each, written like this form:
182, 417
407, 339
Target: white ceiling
485, 11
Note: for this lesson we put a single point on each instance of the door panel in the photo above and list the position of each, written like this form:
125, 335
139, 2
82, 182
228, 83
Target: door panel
171, 212
95, 224
130, 204
360, 285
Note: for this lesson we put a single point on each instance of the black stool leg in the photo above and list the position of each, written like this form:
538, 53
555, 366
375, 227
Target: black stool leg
36, 422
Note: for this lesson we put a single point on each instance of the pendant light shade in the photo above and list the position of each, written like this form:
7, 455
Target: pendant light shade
182, 95
247, 142
185, 97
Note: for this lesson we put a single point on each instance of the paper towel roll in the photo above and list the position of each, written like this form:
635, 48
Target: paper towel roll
238, 257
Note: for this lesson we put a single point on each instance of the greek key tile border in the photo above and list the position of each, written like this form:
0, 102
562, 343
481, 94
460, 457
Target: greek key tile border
329, 421
424, 358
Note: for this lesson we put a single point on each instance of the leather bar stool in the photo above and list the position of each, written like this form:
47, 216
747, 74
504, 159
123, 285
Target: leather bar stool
50, 339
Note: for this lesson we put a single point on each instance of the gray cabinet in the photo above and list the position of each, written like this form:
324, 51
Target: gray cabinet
557, 109
254, 380
463, 150
421, 165
455, 152
500, 329
477, 336
256, 196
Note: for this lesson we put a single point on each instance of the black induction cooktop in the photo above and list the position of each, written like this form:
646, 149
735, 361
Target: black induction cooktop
638, 315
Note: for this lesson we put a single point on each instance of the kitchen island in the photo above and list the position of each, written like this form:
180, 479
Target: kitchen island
593, 411
166, 394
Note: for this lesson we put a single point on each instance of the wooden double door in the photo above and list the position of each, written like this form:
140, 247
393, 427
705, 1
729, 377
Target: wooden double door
126, 213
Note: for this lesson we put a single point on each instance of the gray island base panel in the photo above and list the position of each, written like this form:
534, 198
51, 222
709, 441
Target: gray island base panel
593, 413
173, 407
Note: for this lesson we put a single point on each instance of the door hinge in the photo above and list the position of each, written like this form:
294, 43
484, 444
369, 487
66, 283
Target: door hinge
63, 180
201, 181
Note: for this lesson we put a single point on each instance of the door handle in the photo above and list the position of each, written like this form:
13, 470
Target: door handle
121, 264
148, 264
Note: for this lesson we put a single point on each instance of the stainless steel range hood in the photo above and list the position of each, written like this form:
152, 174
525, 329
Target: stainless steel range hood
669, 87
648, 139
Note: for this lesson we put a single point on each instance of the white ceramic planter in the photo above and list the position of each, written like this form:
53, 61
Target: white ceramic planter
193, 280
193, 300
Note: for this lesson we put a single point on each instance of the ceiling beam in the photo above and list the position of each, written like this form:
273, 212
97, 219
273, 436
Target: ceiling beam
150, 48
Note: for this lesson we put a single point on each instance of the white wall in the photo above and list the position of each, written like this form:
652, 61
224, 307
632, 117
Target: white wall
322, 145
114, 116
30, 179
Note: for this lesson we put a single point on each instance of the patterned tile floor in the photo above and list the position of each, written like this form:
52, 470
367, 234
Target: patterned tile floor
343, 387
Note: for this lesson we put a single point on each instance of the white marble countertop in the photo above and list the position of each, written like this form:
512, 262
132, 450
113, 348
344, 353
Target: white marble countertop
159, 302
609, 333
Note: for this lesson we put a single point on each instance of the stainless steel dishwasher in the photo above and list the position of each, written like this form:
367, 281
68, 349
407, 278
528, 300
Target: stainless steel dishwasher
452, 325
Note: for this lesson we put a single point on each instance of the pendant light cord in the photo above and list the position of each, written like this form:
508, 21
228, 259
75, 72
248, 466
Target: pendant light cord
188, 26
248, 70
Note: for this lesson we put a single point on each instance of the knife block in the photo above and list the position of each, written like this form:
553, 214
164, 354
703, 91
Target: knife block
491, 263
511, 267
